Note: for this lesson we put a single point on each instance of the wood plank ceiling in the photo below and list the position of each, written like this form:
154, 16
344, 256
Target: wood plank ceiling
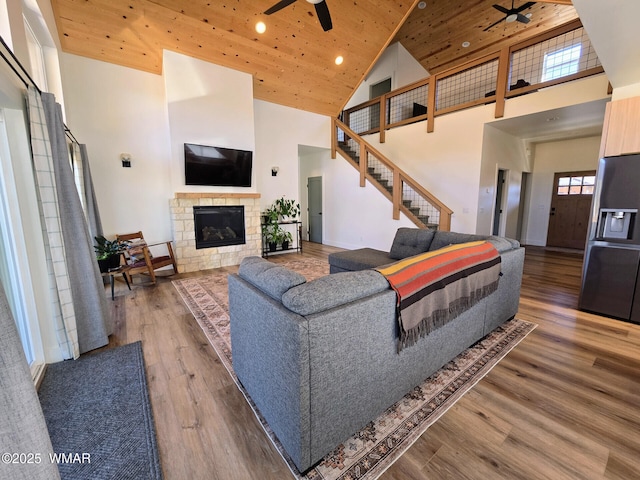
292, 63
434, 35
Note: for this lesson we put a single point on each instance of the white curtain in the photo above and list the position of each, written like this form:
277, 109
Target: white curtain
89, 194
81, 314
22, 425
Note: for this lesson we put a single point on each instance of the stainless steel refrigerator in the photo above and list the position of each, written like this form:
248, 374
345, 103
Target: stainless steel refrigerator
610, 280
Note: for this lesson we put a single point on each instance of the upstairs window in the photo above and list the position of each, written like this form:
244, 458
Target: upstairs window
561, 63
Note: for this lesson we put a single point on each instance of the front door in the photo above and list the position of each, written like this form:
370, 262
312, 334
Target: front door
570, 208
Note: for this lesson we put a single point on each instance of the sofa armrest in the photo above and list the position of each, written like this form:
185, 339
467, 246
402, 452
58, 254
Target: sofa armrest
332, 291
272, 279
503, 304
270, 348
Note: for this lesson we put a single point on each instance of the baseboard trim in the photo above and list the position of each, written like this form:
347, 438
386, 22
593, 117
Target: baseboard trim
37, 373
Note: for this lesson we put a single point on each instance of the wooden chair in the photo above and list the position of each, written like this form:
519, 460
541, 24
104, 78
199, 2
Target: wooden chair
139, 258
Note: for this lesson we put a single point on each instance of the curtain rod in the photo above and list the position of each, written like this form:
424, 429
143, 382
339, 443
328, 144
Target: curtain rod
67, 131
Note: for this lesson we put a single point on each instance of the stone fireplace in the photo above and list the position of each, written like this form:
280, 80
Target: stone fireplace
209, 252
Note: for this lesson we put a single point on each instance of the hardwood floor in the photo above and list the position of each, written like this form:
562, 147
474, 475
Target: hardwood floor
564, 404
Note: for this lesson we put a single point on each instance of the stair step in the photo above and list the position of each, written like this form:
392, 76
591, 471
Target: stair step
347, 149
350, 148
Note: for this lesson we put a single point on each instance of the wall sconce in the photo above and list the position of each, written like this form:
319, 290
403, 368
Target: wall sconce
274, 171
126, 160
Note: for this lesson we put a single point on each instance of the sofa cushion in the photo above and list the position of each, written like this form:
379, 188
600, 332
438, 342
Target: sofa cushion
272, 279
333, 290
409, 242
360, 259
444, 239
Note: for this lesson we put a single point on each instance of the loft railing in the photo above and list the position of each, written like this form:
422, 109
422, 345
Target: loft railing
407, 196
559, 55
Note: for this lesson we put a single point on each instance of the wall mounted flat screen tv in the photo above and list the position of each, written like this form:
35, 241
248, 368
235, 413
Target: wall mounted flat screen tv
217, 166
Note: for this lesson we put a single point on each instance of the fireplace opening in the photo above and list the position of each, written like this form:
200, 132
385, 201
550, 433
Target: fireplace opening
219, 226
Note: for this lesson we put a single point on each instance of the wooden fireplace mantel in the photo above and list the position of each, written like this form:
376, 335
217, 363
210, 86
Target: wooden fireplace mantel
216, 195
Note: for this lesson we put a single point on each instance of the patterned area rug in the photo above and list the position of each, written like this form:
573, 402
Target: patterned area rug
368, 453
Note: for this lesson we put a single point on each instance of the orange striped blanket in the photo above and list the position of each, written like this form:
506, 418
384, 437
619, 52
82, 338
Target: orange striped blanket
435, 287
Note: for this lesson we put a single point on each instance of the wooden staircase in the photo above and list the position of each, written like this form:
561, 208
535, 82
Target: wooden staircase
407, 196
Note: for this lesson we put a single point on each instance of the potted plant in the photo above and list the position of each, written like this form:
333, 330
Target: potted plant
270, 216
108, 253
272, 235
287, 238
286, 209
280, 211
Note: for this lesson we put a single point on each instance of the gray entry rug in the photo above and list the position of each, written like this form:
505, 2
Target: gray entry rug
99, 416
369, 452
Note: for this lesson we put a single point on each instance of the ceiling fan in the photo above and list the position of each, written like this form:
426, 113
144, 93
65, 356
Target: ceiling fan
321, 10
512, 15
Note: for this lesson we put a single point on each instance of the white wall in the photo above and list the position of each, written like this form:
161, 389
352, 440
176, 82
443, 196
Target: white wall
114, 110
395, 63
279, 132
207, 105
352, 217
564, 95
549, 158
507, 152
445, 162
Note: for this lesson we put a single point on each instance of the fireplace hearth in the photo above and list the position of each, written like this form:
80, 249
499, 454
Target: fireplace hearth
219, 226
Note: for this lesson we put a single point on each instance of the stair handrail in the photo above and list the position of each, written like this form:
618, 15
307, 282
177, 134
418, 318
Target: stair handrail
400, 177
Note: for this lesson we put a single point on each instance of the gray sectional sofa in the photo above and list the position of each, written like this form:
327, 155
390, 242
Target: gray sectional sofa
320, 359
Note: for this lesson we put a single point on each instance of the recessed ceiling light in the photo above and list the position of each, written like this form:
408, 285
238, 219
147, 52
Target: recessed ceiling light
339, 60
465, 44
261, 27
422, 5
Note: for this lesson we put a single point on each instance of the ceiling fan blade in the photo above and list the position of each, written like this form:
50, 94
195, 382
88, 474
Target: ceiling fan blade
278, 6
524, 7
502, 9
494, 24
322, 10
522, 19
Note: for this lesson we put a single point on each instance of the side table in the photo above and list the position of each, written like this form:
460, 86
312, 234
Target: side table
112, 272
